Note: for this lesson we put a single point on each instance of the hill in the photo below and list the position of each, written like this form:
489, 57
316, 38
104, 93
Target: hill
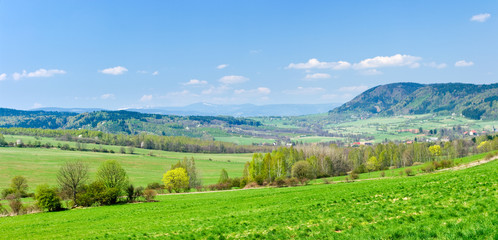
446, 205
471, 100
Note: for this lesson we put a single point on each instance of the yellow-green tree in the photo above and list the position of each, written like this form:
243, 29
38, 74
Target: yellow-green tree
373, 164
435, 151
176, 179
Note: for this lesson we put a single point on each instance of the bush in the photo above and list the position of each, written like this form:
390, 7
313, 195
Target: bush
150, 195
259, 180
15, 205
427, 168
243, 182
6, 192
302, 170
91, 194
382, 174
251, 185
130, 193
176, 180
138, 193
354, 175
446, 163
291, 182
401, 173
409, 172
234, 182
3, 211
110, 196
48, 198
280, 182
326, 181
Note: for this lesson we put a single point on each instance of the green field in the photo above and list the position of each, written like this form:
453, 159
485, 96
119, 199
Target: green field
447, 205
40, 165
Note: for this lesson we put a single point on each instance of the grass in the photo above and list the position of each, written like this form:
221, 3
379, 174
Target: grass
446, 205
40, 165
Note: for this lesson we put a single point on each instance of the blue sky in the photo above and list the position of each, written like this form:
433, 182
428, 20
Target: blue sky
121, 54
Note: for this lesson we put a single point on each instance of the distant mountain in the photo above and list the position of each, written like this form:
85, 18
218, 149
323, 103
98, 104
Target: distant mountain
472, 100
243, 110
71, 110
207, 109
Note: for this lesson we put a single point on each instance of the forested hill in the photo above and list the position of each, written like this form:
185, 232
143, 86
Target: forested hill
122, 122
471, 100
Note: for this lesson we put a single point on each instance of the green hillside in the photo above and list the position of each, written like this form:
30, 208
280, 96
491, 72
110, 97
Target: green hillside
447, 205
471, 100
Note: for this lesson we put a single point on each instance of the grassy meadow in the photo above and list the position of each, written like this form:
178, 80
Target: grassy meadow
445, 205
40, 165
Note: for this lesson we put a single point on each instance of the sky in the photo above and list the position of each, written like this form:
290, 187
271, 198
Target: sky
146, 54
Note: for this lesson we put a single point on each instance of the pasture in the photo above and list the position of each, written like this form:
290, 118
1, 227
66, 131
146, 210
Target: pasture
444, 205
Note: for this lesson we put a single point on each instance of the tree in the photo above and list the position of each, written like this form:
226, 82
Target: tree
176, 179
112, 175
71, 176
302, 170
373, 164
20, 185
435, 151
223, 176
47, 198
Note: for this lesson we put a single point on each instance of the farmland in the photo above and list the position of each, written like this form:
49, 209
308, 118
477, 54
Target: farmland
145, 166
448, 205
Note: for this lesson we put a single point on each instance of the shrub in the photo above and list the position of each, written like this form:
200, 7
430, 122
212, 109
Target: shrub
15, 205
427, 168
110, 196
48, 198
326, 181
259, 180
243, 182
354, 175
20, 186
150, 195
91, 194
234, 182
138, 193
279, 182
3, 211
382, 174
198, 188
302, 170
409, 172
401, 173
291, 182
6, 192
446, 163
112, 175
130, 193
251, 185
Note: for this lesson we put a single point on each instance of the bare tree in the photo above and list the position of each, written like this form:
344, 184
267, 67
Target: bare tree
71, 176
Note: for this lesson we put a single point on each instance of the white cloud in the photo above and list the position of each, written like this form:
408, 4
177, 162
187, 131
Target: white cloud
107, 96
195, 82
371, 72
233, 79
435, 65
3, 76
38, 73
314, 63
360, 88
304, 90
221, 66
463, 63
397, 60
483, 17
215, 90
37, 105
155, 73
259, 90
114, 71
317, 76
146, 98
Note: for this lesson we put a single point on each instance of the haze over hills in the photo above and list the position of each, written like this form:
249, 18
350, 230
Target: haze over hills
475, 101
207, 109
